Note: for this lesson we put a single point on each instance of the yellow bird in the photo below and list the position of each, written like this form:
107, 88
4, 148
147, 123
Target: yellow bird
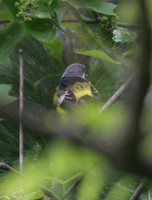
74, 88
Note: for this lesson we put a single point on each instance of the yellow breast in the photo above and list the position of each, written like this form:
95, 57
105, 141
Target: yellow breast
81, 89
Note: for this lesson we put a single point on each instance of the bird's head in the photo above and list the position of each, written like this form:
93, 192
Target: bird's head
76, 70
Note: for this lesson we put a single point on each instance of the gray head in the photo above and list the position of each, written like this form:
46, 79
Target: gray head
75, 70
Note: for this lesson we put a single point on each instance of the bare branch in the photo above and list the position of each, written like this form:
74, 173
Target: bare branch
21, 107
140, 188
117, 94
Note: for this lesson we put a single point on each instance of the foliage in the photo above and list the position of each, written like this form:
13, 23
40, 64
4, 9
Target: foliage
5, 98
97, 54
97, 6
53, 34
123, 35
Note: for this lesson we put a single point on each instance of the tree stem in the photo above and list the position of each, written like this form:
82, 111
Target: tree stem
21, 107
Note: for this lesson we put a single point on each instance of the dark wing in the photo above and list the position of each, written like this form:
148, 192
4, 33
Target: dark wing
67, 99
95, 91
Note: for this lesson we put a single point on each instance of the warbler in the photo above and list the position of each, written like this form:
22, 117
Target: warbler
74, 88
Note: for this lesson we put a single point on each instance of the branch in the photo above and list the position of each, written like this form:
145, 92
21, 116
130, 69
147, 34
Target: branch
133, 131
41, 121
21, 107
140, 188
117, 94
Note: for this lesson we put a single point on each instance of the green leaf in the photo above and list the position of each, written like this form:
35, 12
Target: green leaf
5, 98
123, 189
11, 6
8, 40
124, 35
42, 29
39, 18
97, 54
56, 49
6, 14
96, 5
34, 195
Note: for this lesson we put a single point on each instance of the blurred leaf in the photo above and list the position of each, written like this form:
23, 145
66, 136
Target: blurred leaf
123, 188
36, 9
39, 82
146, 147
42, 29
91, 186
109, 121
6, 14
11, 5
56, 49
63, 162
97, 54
123, 35
8, 40
128, 11
31, 169
96, 5
5, 98
130, 53
33, 196
75, 156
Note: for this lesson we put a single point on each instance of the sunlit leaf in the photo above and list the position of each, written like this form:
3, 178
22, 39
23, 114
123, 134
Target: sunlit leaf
34, 195
97, 54
79, 159
92, 184
63, 163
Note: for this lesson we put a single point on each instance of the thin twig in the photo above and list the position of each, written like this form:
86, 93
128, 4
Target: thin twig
71, 187
5, 166
49, 192
117, 94
140, 188
21, 107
